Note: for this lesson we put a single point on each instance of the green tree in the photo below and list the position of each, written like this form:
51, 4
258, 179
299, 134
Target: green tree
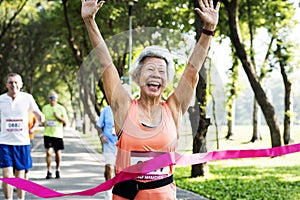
9, 15
232, 8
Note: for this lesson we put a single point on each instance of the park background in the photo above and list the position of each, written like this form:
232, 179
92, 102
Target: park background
45, 41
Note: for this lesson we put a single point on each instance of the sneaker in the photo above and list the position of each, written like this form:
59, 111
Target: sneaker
57, 175
49, 175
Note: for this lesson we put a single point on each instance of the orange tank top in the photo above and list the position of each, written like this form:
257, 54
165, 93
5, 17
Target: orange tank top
139, 143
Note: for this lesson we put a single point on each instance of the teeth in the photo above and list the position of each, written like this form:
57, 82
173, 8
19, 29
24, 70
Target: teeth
154, 83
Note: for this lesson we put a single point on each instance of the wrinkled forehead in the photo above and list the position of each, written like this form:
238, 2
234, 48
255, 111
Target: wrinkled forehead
155, 61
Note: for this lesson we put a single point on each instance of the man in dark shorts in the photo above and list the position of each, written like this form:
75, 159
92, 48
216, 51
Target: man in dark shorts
56, 119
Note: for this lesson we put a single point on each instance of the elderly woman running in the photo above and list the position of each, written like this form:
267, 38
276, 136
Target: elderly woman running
148, 126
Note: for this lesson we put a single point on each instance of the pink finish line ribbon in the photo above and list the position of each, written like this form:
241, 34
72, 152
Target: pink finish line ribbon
153, 164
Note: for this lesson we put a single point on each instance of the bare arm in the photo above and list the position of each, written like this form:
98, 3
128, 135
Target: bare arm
40, 116
117, 96
180, 99
60, 118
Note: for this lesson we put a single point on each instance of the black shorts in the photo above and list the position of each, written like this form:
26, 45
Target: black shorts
55, 143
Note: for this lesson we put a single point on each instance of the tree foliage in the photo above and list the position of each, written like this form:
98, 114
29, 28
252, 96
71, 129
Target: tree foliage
45, 41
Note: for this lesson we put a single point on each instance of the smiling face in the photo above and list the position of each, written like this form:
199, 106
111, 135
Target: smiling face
14, 84
153, 77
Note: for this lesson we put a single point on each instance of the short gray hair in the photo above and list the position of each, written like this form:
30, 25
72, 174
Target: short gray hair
13, 75
156, 52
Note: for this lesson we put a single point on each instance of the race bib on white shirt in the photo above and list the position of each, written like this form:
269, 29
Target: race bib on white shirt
138, 157
14, 125
51, 123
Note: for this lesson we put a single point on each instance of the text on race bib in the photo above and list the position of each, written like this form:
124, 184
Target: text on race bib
138, 157
14, 125
51, 123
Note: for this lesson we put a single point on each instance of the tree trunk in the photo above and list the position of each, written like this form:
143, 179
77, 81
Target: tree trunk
255, 106
255, 134
266, 106
199, 146
199, 126
287, 97
230, 115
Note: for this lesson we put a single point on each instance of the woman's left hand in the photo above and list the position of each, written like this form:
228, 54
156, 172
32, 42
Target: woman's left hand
89, 8
208, 13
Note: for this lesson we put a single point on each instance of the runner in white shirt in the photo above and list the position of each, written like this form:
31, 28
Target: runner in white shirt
14, 138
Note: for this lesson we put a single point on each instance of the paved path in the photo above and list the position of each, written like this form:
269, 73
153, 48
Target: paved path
81, 169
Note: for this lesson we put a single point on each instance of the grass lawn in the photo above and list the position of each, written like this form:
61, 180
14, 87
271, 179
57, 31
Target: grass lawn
257, 178
261, 178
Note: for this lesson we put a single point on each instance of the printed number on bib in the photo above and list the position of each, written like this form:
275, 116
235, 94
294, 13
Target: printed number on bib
138, 157
51, 123
14, 125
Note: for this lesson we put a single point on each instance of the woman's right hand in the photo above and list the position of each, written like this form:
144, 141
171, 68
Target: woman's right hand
89, 8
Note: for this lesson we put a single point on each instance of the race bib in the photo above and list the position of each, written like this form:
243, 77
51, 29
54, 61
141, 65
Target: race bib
14, 125
51, 123
138, 157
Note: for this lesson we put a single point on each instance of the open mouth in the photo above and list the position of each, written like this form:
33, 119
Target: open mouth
154, 86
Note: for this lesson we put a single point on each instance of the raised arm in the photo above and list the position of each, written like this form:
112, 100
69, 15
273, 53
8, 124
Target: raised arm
182, 95
115, 93
89, 10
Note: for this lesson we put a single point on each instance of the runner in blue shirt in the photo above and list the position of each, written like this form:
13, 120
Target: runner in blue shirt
108, 138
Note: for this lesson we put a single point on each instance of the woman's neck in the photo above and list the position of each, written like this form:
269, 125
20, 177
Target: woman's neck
149, 111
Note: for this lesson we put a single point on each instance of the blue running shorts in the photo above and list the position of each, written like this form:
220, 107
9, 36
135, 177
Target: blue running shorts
16, 156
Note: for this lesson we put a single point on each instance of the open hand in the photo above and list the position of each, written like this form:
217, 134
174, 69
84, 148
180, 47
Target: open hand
208, 13
89, 8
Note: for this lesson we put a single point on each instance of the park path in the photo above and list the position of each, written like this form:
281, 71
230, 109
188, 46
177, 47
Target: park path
82, 168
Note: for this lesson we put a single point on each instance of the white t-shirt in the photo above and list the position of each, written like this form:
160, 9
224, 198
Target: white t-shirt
14, 118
